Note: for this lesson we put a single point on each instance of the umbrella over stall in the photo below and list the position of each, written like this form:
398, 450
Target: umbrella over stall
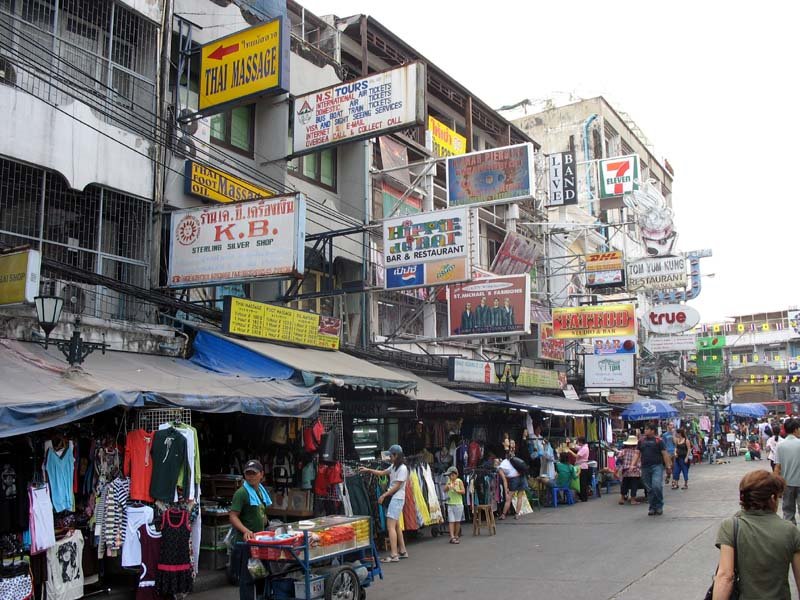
752, 410
644, 410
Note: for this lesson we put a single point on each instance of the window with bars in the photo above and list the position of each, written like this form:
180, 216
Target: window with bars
318, 168
97, 52
235, 129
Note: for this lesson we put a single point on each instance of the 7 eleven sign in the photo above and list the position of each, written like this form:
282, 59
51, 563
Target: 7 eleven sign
619, 175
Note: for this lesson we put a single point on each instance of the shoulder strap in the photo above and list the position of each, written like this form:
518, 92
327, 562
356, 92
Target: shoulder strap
735, 553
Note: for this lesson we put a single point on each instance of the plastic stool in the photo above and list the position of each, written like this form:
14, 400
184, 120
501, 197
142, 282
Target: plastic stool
482, 516
567, 493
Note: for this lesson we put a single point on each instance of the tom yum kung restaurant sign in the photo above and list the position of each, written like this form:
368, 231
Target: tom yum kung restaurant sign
238, 242
360, 109
425, 249
607, 320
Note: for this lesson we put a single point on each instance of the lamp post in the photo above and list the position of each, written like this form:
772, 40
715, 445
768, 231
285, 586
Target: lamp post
507, 374
75, 350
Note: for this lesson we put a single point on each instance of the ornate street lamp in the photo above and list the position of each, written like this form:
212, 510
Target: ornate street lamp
507, 374
75, 350
48, 312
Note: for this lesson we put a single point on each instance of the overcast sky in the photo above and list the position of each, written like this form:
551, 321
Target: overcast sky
712, 86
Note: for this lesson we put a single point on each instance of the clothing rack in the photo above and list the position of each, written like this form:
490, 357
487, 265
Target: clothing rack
149, 419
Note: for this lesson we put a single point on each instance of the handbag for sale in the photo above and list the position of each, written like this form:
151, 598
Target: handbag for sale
327, 448
280, 432
735, 591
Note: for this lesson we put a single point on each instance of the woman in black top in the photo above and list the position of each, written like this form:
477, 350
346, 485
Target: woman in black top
683, 458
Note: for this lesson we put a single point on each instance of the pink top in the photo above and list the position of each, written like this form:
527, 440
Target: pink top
583, 457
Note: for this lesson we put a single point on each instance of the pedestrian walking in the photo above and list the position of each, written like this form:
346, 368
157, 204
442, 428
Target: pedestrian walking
629, 470
654, 460
396, 494
772, 446
668, 437
787, 465
455, 504
682, 460
757, 545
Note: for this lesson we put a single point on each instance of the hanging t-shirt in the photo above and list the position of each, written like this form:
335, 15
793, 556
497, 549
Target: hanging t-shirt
169, 456
192, 459
139, 463
41, 519
64, 570
60, 467
131, 548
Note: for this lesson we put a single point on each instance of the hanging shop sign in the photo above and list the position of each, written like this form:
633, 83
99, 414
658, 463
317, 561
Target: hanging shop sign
490, 307
670, 343
482, 371
619, 175
668, 273
360, 109
605, 269
707, 343
242, 65
549, 347
570, 393
516, 255
614, 345
670, 318
444, 141
431, 248
279, 324
610, 371
501, 175
603, 320
19, 277
241, 242
622, 397
562, 175
219, 186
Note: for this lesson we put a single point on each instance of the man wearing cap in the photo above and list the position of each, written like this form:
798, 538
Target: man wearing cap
248, 516
654, 459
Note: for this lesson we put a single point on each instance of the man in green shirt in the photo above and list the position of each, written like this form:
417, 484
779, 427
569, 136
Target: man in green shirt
248, 516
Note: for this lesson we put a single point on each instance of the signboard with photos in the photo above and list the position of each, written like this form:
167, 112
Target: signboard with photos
604, 320
493, 306
243, 65
280, 324
237, 242
482, 371
365, 108
549, 347
427, 249
445, 141
609, 371
496, 176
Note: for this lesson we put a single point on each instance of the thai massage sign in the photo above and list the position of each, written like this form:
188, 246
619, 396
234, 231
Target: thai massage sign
619, 175
360, 109
495, 176
431, 248
242, 65
667, 273
219, 186
280, 324
606, 320
238, 242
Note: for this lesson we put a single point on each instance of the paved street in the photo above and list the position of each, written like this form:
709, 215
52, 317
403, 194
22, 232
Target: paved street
597, 550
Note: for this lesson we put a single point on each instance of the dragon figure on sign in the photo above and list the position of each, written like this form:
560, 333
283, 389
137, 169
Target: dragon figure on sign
654, 218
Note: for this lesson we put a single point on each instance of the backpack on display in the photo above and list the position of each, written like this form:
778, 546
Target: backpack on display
312, 436
280, 432
327, 448
282, 470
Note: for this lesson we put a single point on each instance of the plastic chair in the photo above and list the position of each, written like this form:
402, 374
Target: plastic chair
570, 497
610, 482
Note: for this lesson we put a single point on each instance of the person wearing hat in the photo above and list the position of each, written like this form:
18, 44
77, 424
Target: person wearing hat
398, 475
455, 504
629, 469
248, 515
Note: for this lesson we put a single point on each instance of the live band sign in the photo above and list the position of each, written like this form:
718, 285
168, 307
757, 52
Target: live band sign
562, 179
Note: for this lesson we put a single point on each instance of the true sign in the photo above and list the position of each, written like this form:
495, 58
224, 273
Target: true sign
241, 65
670, 318
562, 173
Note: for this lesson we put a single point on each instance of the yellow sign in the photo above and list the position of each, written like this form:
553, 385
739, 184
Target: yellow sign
538, 378
446, 142
604, 261
605, 320
19, 277
219, 186
279, 324
241, 65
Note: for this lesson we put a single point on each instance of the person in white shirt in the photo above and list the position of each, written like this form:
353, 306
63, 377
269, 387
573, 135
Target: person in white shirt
513, 481
398, 475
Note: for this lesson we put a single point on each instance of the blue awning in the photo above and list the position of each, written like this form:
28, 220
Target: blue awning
221, 355
652, 408
752, 410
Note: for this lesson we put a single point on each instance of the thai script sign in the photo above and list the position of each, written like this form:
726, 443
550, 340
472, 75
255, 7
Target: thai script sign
594, 321
217, 185
240, 242
495, 176
360, 109
444, 141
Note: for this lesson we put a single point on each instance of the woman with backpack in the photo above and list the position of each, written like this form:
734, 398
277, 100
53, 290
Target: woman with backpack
513, 478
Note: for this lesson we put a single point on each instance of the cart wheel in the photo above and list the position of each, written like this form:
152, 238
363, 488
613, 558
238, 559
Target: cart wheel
342, 584
363, 594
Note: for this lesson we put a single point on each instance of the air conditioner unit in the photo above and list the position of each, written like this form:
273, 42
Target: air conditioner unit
194, 138
79, 298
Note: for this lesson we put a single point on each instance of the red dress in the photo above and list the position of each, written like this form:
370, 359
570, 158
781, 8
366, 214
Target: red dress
151, 549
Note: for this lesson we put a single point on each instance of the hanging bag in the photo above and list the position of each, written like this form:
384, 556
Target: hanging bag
735, 590
312, 436
327, 449
280, 432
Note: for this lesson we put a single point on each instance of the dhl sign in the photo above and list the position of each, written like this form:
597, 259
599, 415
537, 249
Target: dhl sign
604, 261
242, 65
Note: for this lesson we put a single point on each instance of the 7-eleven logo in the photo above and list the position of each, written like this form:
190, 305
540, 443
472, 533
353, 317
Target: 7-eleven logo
619, 175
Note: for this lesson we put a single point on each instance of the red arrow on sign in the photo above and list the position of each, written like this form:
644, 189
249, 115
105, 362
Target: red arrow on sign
223, 51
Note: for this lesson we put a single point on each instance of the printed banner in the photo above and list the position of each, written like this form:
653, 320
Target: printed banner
360, 109
217, 185
237, 242
668, 273
619, 176
516, 255
549, 347
242, 65
280, 324
610, 371
444, 141
603, 320
494, 306
392, 203
501, 175
562, 171
614, 345
427, 249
